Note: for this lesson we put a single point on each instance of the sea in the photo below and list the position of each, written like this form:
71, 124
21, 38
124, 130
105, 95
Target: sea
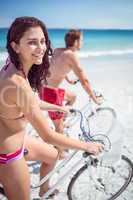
96, 42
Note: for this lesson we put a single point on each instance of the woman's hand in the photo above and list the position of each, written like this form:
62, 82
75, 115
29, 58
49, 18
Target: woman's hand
94, 148
66, 109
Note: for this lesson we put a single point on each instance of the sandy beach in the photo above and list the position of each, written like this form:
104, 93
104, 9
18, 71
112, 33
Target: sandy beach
113, 77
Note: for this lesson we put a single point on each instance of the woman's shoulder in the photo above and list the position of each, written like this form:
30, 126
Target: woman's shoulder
17, 79
10, 76
13, 83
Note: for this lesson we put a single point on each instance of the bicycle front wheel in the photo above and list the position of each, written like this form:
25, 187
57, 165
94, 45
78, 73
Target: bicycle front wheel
102, 121
100, 182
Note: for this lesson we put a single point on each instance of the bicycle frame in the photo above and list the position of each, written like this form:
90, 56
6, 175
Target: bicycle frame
56, 170
88, 107
65, 162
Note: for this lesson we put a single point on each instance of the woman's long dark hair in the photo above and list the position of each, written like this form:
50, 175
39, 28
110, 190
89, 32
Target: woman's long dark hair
37, 74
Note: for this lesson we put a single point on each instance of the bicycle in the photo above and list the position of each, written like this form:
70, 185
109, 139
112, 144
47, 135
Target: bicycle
93, 171
93, 179
99, 119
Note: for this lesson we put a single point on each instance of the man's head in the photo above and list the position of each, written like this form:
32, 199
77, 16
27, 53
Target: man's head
73, 38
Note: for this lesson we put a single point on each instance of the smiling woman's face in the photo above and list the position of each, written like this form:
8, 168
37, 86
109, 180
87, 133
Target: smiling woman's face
31, 47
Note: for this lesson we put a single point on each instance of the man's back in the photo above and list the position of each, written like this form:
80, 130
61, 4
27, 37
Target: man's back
59, 66
62, 62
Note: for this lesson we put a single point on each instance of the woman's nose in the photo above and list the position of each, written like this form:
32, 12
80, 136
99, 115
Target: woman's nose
41, 47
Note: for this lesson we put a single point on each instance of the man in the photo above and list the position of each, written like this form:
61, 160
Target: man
63, 61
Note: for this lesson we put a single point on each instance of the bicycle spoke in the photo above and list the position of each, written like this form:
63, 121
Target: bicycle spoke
103, 182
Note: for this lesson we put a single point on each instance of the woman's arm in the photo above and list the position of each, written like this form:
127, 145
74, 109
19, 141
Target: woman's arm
48, 106
51, 107
29, 106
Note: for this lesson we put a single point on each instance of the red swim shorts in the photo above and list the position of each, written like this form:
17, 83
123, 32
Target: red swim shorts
54, 96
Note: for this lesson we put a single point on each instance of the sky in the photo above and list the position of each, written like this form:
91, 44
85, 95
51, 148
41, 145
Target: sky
95, 14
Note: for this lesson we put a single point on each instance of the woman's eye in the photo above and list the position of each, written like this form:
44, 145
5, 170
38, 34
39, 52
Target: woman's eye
32, 43
43, 42
36, 43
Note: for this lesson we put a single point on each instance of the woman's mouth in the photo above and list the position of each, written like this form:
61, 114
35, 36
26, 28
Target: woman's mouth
39, 56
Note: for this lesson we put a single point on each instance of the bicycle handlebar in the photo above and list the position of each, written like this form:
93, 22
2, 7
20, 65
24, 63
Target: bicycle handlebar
87, 135
72, 110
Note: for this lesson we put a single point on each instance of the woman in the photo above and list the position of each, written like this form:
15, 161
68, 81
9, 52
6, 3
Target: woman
28, 46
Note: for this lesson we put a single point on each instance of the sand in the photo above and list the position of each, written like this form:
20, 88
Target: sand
113, 77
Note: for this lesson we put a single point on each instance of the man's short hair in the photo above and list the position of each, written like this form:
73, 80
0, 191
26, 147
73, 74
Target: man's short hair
71, 36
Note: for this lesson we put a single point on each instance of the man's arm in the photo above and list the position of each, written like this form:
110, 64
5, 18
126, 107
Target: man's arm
79, 72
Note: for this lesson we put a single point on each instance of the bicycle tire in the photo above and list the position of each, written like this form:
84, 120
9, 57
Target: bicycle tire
101, 122
82, 170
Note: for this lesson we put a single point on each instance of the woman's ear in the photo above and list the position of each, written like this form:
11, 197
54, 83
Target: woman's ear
15, 47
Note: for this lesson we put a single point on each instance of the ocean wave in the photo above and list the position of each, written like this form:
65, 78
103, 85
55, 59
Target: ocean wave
86, 54
3, 56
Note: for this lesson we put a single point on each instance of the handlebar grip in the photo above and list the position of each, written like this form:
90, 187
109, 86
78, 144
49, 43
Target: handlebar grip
72, 110
86, 154
94, 159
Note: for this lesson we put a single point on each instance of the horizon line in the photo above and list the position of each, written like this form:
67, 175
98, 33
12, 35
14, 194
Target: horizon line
83, 28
